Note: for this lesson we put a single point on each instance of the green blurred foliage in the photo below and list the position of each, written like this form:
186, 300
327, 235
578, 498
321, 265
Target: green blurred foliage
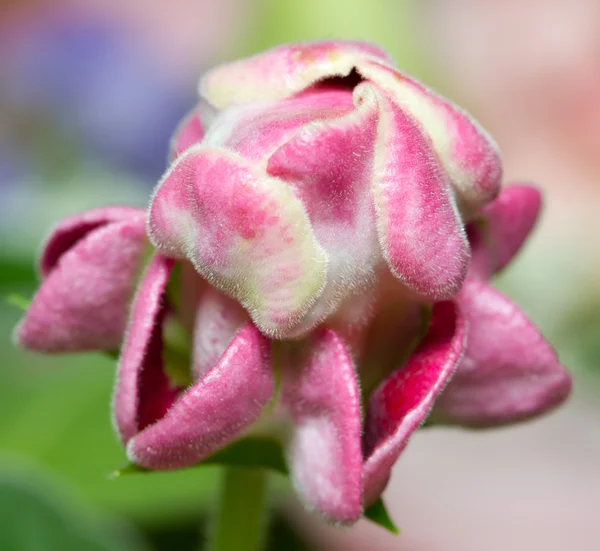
40, 516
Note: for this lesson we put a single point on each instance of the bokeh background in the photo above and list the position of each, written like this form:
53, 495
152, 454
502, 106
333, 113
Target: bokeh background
90, 91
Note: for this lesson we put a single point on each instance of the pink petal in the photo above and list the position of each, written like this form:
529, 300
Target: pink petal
390, 336
401, 403
83, 302
212, 412
189, 132
244, 232
420, 229
218, 319
325, 457
142, 394
501, 229
329, 165
283, 71
74, 228
256, 130
509, 372
466, 151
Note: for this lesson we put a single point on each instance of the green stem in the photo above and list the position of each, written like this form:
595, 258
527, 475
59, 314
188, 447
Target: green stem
240, 516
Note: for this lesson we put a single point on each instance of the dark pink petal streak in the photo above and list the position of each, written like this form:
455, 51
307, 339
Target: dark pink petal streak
401, 403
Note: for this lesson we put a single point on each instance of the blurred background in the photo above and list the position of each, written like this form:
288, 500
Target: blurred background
90, 91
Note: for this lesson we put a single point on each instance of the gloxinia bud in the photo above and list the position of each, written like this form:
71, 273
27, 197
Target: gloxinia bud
324, 238
306, 170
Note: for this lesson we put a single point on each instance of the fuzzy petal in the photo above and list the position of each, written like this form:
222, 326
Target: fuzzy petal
244, 232
466, 151
325, 456
141, 378
256, 130
218, 319
284, 71
74, 228
497, 234
420, 229
401, 403
189, 132
213, 411
329, 165
509, 372
83, 302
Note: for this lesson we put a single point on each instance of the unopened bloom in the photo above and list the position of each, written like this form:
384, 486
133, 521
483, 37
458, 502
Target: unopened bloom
325, 220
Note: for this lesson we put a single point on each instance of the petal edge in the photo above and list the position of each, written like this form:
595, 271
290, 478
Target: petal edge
511, 377
402, 402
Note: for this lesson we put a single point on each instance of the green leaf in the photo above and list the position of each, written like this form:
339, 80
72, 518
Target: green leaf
252, 452
130, 468
20, 302
378, 514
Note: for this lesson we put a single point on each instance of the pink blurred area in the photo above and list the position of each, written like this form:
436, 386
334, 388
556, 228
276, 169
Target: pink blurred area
530, 71
535, 487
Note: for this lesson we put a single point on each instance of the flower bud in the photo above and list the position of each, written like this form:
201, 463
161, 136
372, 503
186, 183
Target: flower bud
324, 239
